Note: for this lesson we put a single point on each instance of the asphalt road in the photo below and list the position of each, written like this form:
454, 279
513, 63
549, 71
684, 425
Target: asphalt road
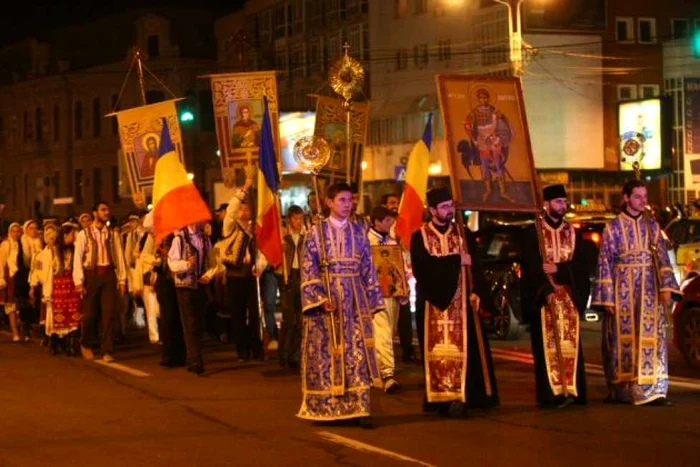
56, 410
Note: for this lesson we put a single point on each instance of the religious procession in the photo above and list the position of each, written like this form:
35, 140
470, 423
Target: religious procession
343, 277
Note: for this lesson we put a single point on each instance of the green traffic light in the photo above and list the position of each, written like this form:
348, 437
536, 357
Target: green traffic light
695, 43
186, 116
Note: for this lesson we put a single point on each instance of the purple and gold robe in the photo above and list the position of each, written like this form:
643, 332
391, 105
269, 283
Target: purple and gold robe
336, 381
634, 337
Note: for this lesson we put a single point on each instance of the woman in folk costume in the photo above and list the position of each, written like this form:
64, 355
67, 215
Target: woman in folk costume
339, 364
31, 248
63, 303
36, 279
10, 263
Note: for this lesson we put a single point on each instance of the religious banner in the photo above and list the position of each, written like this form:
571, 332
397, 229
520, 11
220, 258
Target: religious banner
139, 135
238, 110
488, 143
331, 124
388, 260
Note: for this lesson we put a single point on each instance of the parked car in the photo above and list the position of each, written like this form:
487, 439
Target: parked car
686, 317
683, 243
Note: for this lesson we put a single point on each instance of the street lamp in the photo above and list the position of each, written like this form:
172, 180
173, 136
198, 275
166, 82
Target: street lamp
515, 38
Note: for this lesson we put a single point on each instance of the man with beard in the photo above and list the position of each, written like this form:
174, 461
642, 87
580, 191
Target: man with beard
405, 325
99, 271
456, 353
559, 269
631, 291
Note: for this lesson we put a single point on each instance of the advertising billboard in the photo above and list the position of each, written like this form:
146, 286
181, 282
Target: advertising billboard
294, 125
641, 134
691, 127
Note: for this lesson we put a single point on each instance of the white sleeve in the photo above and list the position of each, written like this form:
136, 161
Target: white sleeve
78, 273
175, 262
234, 205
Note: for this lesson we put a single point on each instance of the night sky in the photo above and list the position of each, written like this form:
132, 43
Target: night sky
30, 17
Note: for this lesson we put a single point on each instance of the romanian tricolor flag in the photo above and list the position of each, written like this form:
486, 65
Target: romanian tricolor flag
176, 200
413, 200
267, 225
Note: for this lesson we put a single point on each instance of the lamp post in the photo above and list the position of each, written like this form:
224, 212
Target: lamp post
514, 36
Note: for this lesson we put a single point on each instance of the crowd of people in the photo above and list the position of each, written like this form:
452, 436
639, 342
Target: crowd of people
73, 283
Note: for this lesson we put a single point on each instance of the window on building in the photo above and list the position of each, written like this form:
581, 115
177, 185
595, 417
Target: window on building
281, 64
400, 8
279, 21
647, 91
420, 55
626, 92
333, 10
78, 120
96, 118
296, 16
334, 46
355, 8
154, 96
206, 110
39, 124
78, 187
56, 183
680, 28
444, 50
27, 126
115, 107
624, 29
114, 172
401, 59
421, 7
313, 10
153, 45
265, 26
315, 55
298, 62
647, 30
96, 184
355, 38
56, 123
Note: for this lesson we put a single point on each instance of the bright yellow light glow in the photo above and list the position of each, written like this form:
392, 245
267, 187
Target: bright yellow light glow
435, 168
364, 165
190, 176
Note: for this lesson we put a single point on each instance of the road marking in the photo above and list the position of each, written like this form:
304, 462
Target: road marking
124, 368
360, 446
591, 368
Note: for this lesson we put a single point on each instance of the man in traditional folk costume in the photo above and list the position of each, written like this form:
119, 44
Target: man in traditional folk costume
99, 274
631, 290
339, 364
559, 284
457, 357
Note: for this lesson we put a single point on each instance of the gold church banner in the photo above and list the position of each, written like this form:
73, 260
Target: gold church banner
139, 133
331, 121
238, 111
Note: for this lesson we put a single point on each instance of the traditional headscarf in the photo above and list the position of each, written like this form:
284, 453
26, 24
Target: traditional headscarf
28, 223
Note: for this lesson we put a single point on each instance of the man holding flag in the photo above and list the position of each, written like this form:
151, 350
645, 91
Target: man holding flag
178, 207
242, 267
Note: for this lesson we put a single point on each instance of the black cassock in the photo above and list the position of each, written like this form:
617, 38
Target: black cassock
534, 289
437, 279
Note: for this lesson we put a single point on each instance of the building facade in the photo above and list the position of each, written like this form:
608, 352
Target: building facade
58, 151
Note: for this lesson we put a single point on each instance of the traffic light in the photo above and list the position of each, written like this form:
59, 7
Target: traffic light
186, 115
695, 43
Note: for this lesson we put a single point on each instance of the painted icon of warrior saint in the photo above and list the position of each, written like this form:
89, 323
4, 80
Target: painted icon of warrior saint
487, 142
